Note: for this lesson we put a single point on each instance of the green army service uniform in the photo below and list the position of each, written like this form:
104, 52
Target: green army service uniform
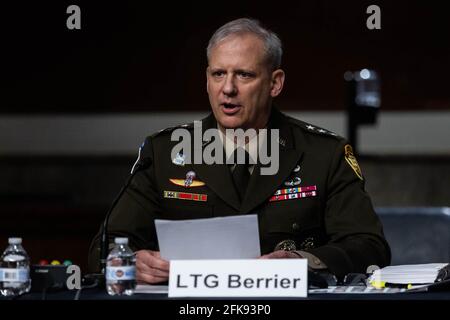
316, 200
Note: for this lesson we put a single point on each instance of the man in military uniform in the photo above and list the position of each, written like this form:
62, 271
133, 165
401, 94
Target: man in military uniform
314, 207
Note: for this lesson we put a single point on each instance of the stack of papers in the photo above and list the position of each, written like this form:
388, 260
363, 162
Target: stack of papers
232, 237
356, 290
407, 274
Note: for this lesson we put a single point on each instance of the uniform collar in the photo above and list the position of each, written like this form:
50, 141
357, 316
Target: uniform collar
230, 145
261, 187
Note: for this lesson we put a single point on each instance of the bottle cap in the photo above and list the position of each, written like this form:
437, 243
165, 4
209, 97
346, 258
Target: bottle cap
121, 240
43, 262
67, 262
14, 240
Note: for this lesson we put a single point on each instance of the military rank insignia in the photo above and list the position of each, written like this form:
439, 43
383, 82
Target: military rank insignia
351, 160
185, 196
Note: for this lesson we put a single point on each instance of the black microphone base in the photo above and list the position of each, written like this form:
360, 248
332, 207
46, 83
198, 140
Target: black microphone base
95, 280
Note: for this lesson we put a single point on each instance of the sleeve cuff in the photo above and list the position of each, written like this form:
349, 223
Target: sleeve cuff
313, 261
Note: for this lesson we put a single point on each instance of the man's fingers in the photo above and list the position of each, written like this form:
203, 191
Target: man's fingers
162, 265
150, 268
147, 278
279, 254
268, 256
144, 268
152, 259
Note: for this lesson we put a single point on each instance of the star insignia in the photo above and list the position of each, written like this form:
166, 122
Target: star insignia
310, 127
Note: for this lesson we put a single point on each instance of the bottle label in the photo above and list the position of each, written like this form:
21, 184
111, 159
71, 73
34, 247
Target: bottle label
14, 275
121, 273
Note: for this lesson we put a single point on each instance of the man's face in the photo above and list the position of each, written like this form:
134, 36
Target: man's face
239, 83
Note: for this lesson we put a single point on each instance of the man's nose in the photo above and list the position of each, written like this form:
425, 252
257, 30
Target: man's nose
229, 87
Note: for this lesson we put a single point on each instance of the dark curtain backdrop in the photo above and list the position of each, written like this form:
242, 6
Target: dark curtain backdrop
134, 57
137, 57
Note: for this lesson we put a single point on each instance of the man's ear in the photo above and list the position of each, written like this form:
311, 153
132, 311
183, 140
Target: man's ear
277, 82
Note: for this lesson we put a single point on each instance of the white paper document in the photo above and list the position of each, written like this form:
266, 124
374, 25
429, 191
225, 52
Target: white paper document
355, 290
234, 237
408, 274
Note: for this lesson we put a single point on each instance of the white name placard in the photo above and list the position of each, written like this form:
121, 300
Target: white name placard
238, 278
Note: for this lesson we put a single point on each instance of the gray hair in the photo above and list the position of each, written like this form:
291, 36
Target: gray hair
271, 41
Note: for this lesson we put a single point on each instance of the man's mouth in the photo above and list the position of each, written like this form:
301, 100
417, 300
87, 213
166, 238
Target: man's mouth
230, 108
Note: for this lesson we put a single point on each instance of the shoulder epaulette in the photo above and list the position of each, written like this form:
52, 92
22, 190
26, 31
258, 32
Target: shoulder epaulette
170, 129
312, 128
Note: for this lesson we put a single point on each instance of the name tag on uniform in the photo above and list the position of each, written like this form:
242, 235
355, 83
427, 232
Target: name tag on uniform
238, 278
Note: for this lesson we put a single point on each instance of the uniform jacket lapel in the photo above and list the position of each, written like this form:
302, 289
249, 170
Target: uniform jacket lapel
261, 187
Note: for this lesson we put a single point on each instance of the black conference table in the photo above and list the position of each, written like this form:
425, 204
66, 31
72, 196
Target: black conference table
100, 294
325, 303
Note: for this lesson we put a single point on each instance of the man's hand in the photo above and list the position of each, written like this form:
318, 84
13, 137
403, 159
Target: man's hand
281, 254
150, 268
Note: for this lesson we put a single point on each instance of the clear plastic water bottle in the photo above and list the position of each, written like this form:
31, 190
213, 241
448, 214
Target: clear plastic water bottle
14, 269
121, 269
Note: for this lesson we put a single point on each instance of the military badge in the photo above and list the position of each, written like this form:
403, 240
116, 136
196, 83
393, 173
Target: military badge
179, 159
293, 182
185, 196
351, 160
190, 176
295, 190
291, 196
189, 182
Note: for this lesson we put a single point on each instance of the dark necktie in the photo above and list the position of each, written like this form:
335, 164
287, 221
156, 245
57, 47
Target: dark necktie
241, 175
